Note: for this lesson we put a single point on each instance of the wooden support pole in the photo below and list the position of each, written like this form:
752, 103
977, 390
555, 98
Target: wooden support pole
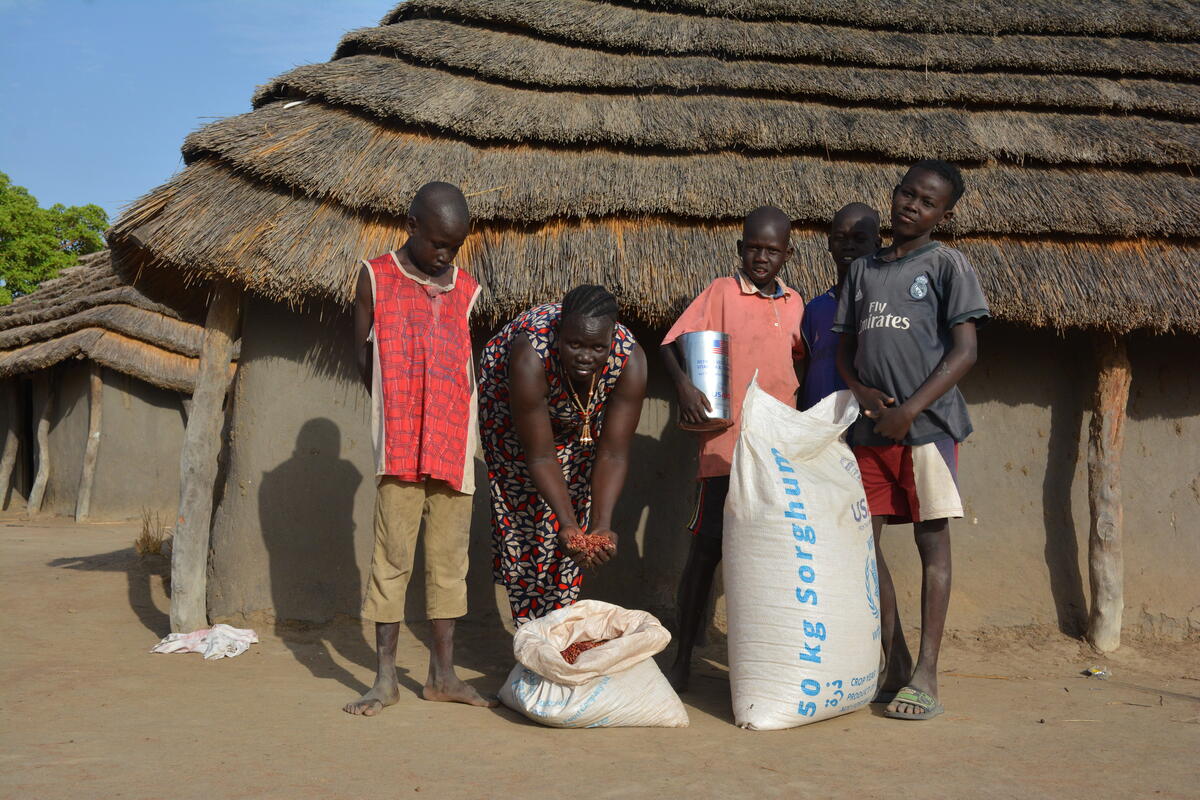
41, 403
12, 440
87, 475
1106, 439
198, 465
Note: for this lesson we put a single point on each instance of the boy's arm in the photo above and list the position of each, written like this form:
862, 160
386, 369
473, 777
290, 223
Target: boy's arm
800, 357
801, 367
692, 402
872, 401
364, 320
894, 422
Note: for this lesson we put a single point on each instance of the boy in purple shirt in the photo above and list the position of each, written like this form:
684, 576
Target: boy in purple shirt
854, 232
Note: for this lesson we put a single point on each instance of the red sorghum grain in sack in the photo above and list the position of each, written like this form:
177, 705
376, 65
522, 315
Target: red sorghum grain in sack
572, 653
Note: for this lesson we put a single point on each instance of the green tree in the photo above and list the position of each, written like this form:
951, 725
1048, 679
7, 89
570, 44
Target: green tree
36, 243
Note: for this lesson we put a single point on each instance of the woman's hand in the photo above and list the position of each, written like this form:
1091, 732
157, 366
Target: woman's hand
605, 554
590, 557
565, 534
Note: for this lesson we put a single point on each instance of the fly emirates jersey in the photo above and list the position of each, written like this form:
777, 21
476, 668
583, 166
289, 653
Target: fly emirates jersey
902, 310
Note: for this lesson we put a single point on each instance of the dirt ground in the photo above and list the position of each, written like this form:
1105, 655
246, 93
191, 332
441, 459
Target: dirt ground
88, 712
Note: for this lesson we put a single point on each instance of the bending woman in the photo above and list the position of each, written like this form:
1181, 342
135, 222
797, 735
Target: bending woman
560, 393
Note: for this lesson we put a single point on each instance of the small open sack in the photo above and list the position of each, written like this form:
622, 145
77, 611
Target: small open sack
614, 685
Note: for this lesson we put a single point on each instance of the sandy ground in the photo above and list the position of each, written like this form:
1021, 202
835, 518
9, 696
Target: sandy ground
88, 712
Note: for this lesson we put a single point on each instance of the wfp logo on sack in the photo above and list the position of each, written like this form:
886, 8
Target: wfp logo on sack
872, 578
526, 685
851, 466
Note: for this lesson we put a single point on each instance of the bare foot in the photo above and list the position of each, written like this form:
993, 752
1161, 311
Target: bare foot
679, 676
373, 701
453, 690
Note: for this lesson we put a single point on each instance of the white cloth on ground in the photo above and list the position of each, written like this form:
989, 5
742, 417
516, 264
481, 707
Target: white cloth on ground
219, 641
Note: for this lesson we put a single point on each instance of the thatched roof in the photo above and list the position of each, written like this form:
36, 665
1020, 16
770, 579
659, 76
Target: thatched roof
89, 311
621, 142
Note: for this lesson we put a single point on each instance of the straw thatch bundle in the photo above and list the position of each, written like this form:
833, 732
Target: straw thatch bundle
91, 312
1162, 19
507, 56
622, 142
619, 27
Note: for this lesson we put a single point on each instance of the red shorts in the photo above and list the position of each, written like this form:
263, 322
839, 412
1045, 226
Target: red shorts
911, 483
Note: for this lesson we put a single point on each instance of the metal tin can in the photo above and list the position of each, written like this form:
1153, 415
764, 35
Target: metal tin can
706, 359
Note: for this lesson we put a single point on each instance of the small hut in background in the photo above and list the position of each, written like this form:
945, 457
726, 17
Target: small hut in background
621, 143
96, 377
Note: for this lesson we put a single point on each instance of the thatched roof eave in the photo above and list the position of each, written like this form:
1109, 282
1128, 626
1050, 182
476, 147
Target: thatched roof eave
131, 357
1062, 282
275, 146
161, 331
89, 312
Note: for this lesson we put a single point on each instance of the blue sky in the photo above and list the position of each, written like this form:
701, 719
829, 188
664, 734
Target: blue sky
96, 96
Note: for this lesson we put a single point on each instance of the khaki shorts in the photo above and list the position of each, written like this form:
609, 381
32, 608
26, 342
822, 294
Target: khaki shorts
399, 508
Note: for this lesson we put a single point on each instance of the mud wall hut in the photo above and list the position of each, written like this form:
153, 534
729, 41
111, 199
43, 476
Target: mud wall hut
96, 378
621, 143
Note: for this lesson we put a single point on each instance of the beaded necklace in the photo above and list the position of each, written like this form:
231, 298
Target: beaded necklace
585, 433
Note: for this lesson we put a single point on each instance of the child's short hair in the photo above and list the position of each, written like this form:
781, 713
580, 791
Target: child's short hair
947, 171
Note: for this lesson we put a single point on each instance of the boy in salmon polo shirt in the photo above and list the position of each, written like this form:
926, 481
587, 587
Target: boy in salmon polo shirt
411, 315
762, 316
907, 317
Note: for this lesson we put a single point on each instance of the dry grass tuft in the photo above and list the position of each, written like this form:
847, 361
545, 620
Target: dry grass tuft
154, 534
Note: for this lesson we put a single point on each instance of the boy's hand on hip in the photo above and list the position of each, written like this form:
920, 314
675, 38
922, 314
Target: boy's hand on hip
693, 405
893, 423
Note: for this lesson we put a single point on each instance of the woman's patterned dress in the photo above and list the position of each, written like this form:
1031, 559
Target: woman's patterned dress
526, 559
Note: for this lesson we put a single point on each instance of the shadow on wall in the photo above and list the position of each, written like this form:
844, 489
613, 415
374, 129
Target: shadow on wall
17, 417
1062, 538
1059, 373
1162, 387
1062, 383
306, 511
331, 355
660, 491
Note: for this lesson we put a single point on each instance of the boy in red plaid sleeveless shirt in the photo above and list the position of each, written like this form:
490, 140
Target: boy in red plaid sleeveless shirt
414, 353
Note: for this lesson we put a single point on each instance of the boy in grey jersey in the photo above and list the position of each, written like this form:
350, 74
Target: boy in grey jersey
907, 317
